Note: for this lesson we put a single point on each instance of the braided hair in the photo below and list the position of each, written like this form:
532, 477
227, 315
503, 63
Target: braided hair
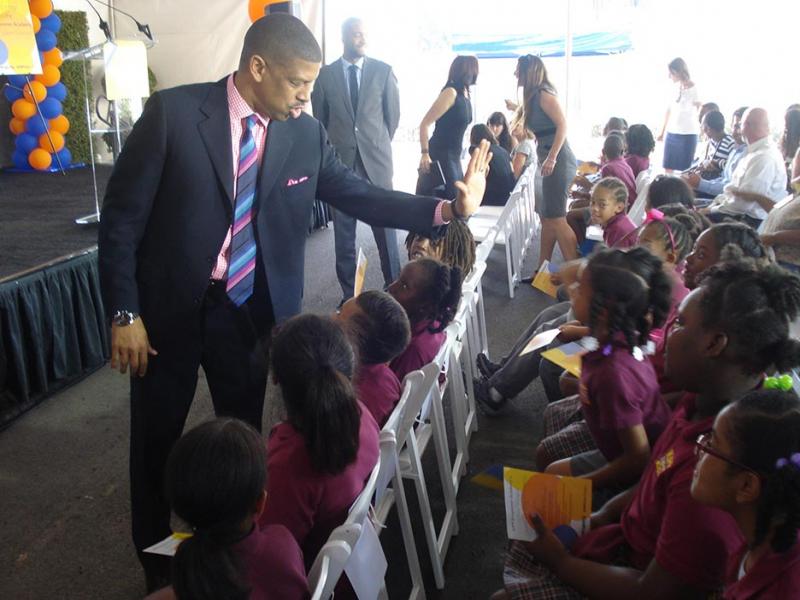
753, 305
668, 189
214, 477
673, 234
640, 140
694, 222
615, 186
737, 240
443, 292
764, 427
456, 245
633, 290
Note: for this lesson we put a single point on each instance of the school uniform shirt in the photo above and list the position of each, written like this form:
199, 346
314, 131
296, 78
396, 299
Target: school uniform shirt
617, 232
619, 392
379, 389
637, 163
774, 577
308, 503
691, 541
620, 169
422, 349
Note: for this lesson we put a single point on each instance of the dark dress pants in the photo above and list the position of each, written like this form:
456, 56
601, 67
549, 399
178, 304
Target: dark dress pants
344, 235
232, 346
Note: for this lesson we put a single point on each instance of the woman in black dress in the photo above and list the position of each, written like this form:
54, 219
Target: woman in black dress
452, 113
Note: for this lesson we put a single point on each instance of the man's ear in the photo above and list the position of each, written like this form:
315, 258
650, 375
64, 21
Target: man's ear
258, 67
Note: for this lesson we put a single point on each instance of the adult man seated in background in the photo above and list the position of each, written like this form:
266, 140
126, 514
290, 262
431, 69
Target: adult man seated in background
711, 188
758, 181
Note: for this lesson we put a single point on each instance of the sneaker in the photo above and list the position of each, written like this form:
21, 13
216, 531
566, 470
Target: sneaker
484, 400
485, 366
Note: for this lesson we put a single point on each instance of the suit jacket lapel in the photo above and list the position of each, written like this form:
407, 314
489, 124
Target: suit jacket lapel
216, 133
344, 86
279, 143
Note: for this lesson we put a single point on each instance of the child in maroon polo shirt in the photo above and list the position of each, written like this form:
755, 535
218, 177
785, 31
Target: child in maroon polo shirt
749, 466
735, 325
430, 292
215, 478
620, 295
607, 209
320, 457
379, 328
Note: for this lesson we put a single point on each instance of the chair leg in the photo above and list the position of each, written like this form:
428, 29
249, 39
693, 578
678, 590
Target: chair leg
417, 583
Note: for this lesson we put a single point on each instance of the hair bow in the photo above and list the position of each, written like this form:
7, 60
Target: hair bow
655, 215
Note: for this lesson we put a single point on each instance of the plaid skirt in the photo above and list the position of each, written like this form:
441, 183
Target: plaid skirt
566, 433
525, 579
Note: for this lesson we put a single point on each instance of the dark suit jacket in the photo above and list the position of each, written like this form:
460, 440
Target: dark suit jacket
371, 129
169, 204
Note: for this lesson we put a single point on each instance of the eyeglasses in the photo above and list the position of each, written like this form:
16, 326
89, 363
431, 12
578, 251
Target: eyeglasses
703, 446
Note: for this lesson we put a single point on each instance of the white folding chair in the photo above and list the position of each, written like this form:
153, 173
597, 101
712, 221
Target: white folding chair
479, 341
331, 560
412, 443
637, 210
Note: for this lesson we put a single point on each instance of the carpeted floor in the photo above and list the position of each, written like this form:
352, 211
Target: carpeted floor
64, 508
38, 212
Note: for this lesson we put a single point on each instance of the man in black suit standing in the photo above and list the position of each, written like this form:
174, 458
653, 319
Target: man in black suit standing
202, 242
357, 100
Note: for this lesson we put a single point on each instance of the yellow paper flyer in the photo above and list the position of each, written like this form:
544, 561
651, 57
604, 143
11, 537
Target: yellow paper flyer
568, 357
542, 280
361, 272
561, 501
19, 54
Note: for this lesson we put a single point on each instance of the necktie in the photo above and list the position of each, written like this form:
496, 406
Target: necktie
242, 260
353, 73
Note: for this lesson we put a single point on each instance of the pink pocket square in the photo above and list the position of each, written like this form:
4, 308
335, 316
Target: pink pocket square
292, 182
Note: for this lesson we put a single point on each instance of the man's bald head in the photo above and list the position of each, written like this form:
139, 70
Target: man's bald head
755, 125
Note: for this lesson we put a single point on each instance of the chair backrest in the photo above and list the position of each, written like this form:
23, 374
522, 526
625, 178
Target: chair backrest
330, 562
419, 382
474, 277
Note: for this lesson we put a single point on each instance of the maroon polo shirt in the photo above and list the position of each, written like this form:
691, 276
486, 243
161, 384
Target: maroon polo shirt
421, 350
617, 232
379, 389
774, 577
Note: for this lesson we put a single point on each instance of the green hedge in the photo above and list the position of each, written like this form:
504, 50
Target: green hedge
74, 36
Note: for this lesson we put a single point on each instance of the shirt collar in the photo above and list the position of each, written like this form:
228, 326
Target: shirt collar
238, 106
762, 143
359, 63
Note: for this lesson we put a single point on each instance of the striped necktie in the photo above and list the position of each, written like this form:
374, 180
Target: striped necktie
242, 260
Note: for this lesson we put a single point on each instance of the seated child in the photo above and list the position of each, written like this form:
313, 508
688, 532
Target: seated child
654, 540
620, 296
607, 206
379, 328
430, 292
749, 466
215, 479
640, 146
612, 165
456, 247
668, 189
320, 457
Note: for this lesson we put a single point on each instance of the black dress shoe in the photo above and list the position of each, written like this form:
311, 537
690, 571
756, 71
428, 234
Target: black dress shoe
484, 400
485, 366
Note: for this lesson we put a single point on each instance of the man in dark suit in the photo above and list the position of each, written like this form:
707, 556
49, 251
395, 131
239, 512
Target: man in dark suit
357, 100
202, 241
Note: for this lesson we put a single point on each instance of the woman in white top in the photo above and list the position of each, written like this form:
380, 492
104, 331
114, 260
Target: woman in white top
680, 123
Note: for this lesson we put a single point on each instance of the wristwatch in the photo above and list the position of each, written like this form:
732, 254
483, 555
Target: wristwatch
123, 318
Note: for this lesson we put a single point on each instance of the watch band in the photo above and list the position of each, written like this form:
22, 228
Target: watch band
123, 318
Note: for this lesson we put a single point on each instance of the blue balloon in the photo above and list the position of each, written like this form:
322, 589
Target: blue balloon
64, 156
45, 40
36, 125
26, 142
57, 91
20, 160
12, 93
50, 108
52, 23
17, 80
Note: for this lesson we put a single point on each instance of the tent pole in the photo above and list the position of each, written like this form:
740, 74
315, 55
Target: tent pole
568, 58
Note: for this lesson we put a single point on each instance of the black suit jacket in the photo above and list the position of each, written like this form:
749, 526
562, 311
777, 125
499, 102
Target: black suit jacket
169, 204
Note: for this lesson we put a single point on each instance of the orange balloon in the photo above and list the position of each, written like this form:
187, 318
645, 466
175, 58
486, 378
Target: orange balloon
256, 8
56, 138
40, 159
59, 124
53, 57
22, 109
50, 75
34, 89
41, 8
37, 24
16, 126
